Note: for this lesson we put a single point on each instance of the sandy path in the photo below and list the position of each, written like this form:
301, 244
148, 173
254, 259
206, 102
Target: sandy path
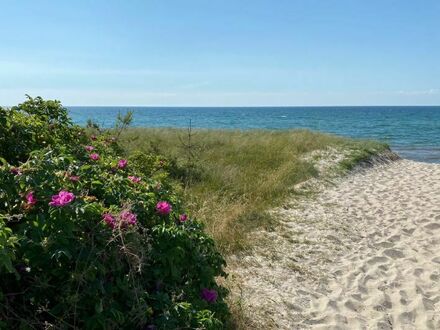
363, 254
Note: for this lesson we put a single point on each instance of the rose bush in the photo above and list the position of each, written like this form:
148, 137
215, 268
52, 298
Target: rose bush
35, 124
97, 242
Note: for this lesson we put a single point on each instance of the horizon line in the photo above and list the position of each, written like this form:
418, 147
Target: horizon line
253, 106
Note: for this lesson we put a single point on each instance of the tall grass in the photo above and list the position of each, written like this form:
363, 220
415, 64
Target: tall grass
237, 176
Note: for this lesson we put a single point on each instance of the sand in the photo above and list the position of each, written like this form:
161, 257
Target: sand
363, 253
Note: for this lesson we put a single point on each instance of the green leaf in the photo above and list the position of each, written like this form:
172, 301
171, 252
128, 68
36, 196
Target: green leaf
57, 254
98, 307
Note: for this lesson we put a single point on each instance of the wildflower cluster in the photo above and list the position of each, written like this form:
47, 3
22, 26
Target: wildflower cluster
90, 239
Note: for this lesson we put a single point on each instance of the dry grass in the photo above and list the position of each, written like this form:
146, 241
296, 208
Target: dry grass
243, 173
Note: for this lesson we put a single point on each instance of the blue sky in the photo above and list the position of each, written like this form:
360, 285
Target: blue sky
221, 52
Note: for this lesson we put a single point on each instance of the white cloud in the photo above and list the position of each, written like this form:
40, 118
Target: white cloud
432, 91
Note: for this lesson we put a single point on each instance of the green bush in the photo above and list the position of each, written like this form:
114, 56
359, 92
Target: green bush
35, 124
91, 240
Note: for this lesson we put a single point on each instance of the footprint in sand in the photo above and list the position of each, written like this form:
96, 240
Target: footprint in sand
433, 226
394, 253
418, 272
436, 260
377, 260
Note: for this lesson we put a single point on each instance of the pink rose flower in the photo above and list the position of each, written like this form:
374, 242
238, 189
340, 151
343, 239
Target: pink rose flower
74, 178
94, 156
209, 295
163, 208
183, 217
128, 217
63, 198
134, 179
31, 199
16, 171
122, 163
109, 220
90, 148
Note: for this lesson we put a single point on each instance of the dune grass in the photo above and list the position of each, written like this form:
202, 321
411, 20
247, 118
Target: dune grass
234, 177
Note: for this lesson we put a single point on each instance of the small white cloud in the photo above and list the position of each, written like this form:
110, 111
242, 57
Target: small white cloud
432, 91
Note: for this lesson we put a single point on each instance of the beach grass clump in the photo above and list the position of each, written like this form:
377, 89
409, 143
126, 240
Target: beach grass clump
233, 178
90, 239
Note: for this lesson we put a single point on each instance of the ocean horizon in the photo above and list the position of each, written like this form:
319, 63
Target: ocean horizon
411, 131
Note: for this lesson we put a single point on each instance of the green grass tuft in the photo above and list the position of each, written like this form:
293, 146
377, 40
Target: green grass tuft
240, 175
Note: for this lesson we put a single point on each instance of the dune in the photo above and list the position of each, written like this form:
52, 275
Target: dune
363, 253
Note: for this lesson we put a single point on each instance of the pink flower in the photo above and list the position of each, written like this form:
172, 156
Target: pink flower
94, 156
183, 217
90, 148
31, 199
163, 208
109, 220
74, 178
128, 217
134, 179
122, 163
209, 295
63, 198
16, 171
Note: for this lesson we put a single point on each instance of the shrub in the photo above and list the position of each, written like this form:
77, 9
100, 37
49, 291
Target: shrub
35, 124
96, 242
151, 165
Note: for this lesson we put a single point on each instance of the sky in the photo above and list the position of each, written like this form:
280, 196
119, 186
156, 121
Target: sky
221, 52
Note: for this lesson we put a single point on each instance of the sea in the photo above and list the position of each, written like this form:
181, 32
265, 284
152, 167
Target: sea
411, 131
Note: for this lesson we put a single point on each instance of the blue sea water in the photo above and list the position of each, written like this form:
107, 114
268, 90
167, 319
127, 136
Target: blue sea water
413, 132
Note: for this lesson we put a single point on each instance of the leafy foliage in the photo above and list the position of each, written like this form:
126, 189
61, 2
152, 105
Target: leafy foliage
35, 124
79, 262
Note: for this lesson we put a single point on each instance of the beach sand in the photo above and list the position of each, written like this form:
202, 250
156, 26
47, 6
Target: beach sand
363, 253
